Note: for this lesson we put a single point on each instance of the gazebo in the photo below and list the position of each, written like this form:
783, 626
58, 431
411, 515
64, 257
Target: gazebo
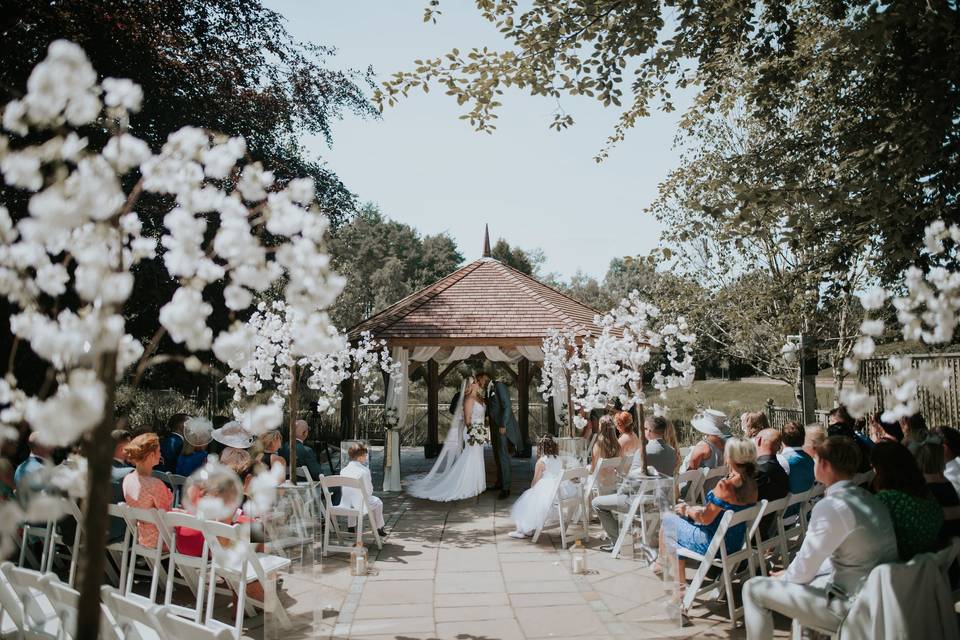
484, 307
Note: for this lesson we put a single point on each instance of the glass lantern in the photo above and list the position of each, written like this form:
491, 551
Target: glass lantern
578, 557
358, 560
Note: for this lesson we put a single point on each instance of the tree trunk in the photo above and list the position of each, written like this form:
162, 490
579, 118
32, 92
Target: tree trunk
638, 409
293, 405
99, 451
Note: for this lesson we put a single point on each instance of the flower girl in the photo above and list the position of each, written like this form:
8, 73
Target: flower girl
532, 508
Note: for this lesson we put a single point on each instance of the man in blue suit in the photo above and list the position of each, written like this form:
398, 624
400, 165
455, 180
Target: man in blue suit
503, 427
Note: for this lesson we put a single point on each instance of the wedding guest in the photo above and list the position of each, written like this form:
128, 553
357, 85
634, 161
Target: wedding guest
27, 477
119, 470
930, 460
914, 431
708, 453
628, 440
606, 445
240, 462
883, 431
141, 489
753, 422
306, 457
814, 436
694, 526
917, 517
848, 526
532, 507
660, 456
800, 475
951, 455
773, 482
266, 448
841, 423
171, 444
351, 498
197, 434
7, 485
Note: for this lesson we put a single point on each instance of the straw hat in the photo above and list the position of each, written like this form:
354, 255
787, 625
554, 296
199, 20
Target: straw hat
711, 422
233, 434
198, 431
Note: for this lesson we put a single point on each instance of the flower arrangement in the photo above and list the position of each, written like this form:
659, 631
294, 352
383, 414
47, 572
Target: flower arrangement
476, 433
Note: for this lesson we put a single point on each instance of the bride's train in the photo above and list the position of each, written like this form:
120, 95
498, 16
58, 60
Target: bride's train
459, 471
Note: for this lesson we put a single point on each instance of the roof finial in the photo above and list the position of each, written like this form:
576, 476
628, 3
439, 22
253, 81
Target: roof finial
486, 241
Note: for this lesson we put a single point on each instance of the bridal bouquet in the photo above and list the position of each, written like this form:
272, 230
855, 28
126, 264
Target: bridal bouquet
476, 434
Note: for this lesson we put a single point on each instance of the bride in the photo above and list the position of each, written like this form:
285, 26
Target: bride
459, 471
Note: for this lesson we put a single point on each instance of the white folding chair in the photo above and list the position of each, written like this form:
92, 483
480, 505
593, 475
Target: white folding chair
119, 550
153, 556
135, 619
233, 558
176, 485
729, 563
864, 479
334, 511
29, 607
193, 569
183, 629
772, 542
589, 451
638, 511
603, 480
46, 532
794, 521
571, 503
314, 503
710, 479
690, 484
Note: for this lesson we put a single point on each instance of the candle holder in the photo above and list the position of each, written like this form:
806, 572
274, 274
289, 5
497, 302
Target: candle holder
358, 560
578, 557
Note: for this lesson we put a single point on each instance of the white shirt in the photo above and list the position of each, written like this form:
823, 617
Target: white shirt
952, 473
350, 497
831, 521
782, 458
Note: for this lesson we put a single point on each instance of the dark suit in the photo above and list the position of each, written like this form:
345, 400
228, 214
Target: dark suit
500, 412
773, 483
307, 457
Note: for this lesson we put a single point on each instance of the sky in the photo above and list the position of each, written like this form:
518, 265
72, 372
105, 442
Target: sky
535, 187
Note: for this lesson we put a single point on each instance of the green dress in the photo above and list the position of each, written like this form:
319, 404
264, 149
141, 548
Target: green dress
916, 521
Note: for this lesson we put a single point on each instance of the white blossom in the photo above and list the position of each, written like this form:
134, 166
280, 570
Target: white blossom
75, 409
123, 93
185, 318
124, 152
873, 298
263, 418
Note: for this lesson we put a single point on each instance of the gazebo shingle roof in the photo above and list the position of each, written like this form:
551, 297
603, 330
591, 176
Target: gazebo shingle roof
484, 302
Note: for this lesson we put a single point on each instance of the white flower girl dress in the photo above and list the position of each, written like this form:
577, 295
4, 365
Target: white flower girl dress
531, 510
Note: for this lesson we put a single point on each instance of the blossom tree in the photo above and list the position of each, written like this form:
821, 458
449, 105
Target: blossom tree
611, 365
71, 241
272, 361
927, 310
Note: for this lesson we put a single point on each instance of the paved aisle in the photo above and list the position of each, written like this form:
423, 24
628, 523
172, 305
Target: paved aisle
449, 571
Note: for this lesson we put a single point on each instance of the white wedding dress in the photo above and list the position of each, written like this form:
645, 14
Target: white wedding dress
459, 471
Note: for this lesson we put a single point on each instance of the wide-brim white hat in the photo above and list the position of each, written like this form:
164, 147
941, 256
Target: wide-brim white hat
233, 434
711, 422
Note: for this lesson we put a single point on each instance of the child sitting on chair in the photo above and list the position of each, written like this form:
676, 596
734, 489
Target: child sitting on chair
530, 512
351, 498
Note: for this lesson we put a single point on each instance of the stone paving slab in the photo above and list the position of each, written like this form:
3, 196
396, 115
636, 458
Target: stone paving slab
451, 571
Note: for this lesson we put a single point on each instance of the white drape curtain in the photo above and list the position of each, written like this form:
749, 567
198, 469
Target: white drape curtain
445, 355
397, 401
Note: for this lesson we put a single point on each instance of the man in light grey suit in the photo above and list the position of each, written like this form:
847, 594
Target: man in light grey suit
848, 526
503, 427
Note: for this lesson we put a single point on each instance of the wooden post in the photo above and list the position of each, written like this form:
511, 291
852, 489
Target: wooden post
293, 404
433, 409
551, 417
638, 410
346, 409
523, 400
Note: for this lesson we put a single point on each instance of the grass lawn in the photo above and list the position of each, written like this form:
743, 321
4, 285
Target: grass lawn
731, 397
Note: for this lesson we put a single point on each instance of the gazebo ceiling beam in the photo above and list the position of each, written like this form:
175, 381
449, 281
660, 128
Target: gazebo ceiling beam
529, 341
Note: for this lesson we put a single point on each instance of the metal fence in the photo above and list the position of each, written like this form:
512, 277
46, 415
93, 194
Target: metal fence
779, 416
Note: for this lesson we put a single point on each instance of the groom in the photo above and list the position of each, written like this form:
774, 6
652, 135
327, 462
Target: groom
503, 427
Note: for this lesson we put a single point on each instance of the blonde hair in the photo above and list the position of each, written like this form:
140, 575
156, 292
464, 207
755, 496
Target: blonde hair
741, 453
754, 422
237, 459
262, 442
141, 447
